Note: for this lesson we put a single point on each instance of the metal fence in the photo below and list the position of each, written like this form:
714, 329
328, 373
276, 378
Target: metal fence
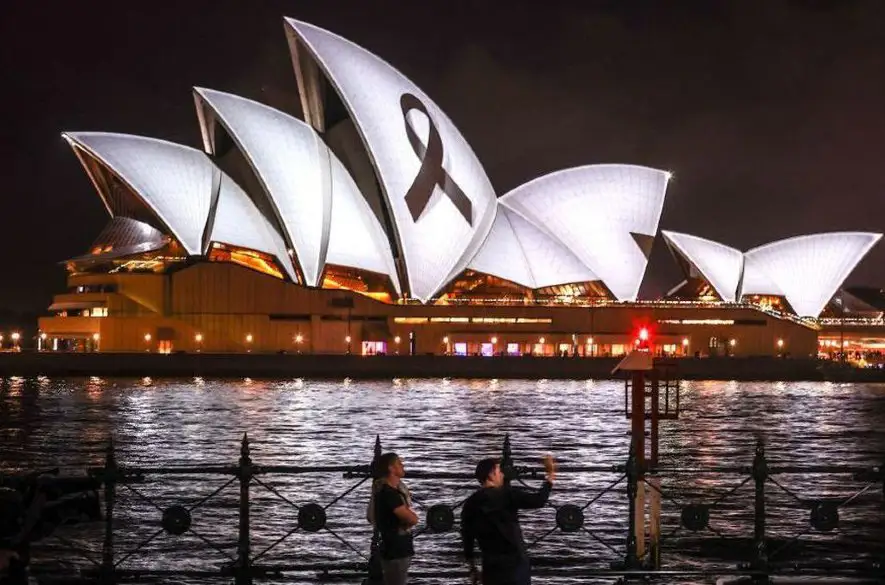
701, 536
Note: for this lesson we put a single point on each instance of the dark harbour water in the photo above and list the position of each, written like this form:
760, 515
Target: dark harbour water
445, 425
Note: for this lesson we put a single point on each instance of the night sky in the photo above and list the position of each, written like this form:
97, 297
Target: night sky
770, 113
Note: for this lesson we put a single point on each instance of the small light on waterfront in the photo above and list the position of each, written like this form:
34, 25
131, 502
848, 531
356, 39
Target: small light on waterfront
494, 340
589, 341
15, 336
685, 341
542, 340
347, 339
198, 338
397, 339
299, 338
733, 342
249, 338
780, 342
147, 336
445, 339
42, 336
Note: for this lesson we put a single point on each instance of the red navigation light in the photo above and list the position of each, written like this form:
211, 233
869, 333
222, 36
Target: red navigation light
643, 337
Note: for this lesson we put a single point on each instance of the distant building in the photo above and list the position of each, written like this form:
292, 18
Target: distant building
371, 227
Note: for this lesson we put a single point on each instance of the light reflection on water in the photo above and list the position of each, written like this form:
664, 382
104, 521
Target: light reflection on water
435, 425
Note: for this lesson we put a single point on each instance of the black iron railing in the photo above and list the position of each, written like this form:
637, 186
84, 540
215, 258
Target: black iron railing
690, 524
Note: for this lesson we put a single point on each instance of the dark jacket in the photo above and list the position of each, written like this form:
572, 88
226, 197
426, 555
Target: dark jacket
491, 517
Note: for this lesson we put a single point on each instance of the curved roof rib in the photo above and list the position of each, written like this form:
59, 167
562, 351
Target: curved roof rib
239, 223
607, 215
174, 181
719, 264
517, 251
808, 270
440, 199
291, 163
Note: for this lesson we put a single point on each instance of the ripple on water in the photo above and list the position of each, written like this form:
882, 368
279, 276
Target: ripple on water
439, 425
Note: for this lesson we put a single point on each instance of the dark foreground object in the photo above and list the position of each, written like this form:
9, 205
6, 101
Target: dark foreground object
395, 366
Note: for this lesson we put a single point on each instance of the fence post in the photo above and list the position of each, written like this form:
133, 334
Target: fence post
110, 495
507, 461
760, 476
631, 561
243, 575
374, 572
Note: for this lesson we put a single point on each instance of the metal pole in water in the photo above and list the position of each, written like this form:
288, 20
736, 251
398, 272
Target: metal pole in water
637, 431
654, 495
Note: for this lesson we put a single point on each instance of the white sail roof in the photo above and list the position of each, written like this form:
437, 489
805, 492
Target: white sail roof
239, 223
317, 201
755, 281
180, 184
808, 270
719, 264
517, 251
174, 181
356, 238
601, 213
439, 196
292, 165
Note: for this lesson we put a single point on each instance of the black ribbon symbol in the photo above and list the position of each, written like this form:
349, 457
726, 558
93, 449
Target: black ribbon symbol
431, 172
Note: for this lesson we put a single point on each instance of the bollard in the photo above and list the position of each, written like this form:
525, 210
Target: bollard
243, 569
760, 476
110, 493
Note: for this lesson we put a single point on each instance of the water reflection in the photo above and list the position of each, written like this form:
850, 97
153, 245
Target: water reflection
442, 424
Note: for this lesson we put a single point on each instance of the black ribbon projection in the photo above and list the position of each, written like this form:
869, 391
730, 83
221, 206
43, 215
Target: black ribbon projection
431, 172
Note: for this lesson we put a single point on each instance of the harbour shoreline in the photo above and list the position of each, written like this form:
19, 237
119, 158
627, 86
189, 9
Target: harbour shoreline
330, 366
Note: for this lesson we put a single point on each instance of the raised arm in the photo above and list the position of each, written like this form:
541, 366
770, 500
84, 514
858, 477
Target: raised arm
527, 499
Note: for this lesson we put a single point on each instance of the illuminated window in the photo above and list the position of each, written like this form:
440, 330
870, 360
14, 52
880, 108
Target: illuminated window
411, 320
512, 349
254, 260
460, 348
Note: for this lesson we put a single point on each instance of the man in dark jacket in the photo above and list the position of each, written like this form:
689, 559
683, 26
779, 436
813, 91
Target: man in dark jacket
491, 517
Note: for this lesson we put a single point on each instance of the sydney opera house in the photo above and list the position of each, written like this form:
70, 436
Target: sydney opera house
371, 227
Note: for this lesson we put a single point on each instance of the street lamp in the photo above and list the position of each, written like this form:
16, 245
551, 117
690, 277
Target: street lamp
198, 338
396, 340
299, 339
95, 338
348, 340
41, 341
249, 339
147, 341
15, 337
